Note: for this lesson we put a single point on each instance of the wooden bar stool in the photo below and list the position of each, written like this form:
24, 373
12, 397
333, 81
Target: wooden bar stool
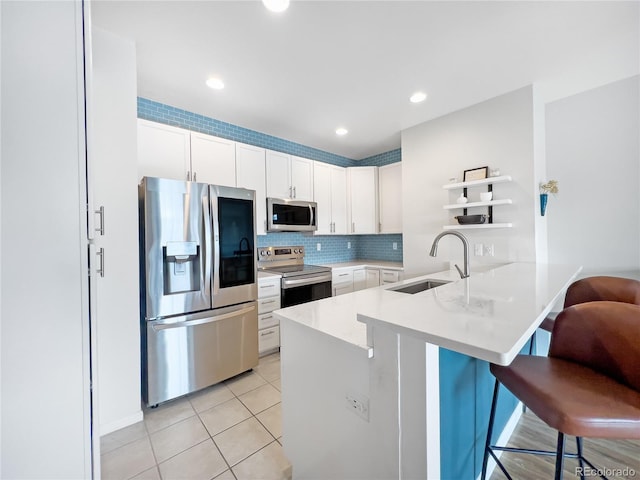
588, 386
593, 289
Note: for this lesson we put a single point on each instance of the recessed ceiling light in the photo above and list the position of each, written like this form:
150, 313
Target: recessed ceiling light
341, 131
276, 5
418, 97
215, 83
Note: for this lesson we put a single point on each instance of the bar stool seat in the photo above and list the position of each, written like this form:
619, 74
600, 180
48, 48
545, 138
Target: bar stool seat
572, 398
588, 386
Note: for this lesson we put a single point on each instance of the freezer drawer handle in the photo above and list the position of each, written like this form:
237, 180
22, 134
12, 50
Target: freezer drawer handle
201, 321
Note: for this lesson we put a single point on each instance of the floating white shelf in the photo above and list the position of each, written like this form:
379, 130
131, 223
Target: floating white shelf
475, 183
477, 226
454, 206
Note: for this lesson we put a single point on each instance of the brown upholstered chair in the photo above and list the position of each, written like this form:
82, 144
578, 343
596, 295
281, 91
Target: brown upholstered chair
593, 289
588, 386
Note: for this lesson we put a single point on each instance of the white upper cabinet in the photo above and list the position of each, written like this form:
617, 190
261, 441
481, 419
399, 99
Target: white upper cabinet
302, 178
278, 177
163, 151
390, 186
251, 174
330, 193
363, 199
213, 160
171, 152
289, 176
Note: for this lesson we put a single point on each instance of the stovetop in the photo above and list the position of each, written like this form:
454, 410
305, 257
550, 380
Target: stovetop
287, 261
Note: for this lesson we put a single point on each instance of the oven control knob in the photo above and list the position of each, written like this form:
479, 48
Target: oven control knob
268, 252
296, 251
262, 252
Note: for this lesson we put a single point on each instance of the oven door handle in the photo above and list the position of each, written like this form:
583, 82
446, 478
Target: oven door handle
291, 283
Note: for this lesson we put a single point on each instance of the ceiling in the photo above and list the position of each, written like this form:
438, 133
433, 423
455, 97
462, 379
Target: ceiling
318, 66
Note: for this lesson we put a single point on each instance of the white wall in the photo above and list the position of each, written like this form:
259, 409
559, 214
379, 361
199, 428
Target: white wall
44, 332
593, 150
499, 133
113, 184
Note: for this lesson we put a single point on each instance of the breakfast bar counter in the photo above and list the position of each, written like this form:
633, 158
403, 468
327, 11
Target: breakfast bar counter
364, 374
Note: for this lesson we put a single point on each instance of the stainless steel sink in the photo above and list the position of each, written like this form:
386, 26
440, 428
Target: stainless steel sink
418, 286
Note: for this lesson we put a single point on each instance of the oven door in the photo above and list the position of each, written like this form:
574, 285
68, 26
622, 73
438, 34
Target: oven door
305, 288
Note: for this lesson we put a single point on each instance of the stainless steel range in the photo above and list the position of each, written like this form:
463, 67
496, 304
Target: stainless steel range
300, 283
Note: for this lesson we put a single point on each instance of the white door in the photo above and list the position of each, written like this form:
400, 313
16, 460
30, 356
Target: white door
278, 176
390, 179
363, 188
163, 151
322, 196
339, 199
251, 174
213, 160
302, 178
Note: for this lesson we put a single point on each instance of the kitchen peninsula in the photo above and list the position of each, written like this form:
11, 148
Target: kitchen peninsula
384, 384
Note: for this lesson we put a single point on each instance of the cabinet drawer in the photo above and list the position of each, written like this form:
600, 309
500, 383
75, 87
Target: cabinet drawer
342, 289
268, 287
344, 276
267, 320
269, 304
389, 276
268, 339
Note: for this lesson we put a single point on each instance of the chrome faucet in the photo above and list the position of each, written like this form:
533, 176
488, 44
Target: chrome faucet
465, 244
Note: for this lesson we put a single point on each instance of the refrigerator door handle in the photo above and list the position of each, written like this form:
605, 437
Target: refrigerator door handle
201, 321
206, 267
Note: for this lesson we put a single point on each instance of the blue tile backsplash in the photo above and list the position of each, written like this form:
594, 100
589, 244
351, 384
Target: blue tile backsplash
334, 248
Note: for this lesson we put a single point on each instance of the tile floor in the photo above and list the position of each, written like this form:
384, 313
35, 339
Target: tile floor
229, 431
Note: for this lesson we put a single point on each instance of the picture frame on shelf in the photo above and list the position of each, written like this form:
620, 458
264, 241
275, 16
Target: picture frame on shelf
475, 174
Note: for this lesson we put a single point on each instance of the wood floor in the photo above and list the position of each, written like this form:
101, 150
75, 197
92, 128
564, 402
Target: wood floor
604, 454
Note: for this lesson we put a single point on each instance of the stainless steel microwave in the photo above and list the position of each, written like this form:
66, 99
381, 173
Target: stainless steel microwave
287, 215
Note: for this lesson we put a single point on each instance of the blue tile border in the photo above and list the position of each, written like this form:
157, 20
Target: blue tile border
382, 159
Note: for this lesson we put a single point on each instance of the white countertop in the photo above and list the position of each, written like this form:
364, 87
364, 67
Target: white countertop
490, 315
365, 263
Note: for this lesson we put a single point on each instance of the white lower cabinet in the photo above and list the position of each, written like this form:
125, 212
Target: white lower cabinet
359, 279
268, 325
341, 281
372, 277
389, 276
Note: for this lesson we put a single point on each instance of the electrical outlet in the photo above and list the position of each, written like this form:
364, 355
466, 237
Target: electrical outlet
395, 245
488, 250
358, 405
318, 246
348, 244
478, 250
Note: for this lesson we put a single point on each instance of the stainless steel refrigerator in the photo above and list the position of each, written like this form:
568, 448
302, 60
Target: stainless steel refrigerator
199, 316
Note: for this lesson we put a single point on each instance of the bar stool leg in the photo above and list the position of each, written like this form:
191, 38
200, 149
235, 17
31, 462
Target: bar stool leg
492, 416
580, 459
559, 456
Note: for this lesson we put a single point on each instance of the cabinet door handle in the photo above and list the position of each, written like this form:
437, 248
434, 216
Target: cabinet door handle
100, 253
100, 212
353, 227
194, 176
294, 192
188, 175
290, 192
343, 274
271, 332
267, 301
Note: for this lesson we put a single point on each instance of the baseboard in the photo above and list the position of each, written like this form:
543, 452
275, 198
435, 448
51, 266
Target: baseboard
107, 428
504, 438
